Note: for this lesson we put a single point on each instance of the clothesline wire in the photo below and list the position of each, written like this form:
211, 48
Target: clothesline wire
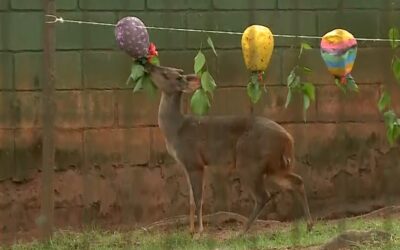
61, 20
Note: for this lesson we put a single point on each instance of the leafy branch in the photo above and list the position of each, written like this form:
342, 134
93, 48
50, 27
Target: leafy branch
295, 83
141, 79
392, 122
350, 85
200, 102
253, 87
394, 36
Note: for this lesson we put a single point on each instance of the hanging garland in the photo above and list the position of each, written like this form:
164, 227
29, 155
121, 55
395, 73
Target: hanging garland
200, 102
338, 50
296, 84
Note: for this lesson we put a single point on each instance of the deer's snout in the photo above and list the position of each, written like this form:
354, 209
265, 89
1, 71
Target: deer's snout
193, 83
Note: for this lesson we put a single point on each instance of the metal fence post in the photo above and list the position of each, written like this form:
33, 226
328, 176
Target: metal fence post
48, 153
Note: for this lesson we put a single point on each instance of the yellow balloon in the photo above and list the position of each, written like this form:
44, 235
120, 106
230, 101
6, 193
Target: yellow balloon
257, 47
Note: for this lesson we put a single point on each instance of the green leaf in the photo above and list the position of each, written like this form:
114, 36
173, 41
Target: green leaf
200, 103
254, 77
141, 61
291, 77
390, 118
306, 105
306, 69
390, 135
384, 101
211, 44
394, 35
309, 90
155, 60
396, 68
306, 46
129, 80
392, 126
296, 83
208, 82
351, 85
137, 71
139, 85
149, 87
288, 98
303, 47
254, 91
306, 102
340, 86
393, 133
199, 62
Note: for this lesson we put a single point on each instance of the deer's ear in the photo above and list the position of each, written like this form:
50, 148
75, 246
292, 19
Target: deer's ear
193, 82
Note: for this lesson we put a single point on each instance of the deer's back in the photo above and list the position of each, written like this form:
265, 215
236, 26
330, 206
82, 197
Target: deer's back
215, 140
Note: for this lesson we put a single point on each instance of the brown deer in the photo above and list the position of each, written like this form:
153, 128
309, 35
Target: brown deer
259, 148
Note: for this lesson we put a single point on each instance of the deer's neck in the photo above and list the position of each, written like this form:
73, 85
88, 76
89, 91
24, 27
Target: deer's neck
170, 117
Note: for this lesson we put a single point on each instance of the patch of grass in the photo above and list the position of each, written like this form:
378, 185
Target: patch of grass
295, 235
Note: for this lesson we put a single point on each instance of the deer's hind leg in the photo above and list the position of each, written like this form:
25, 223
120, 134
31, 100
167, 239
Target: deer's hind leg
252, 176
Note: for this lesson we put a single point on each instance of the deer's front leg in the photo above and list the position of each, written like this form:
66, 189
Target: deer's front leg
192, 205
196, 176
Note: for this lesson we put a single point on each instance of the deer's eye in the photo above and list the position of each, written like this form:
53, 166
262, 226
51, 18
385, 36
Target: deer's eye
179, 78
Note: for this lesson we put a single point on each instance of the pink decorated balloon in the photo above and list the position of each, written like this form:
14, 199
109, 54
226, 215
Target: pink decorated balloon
132, 37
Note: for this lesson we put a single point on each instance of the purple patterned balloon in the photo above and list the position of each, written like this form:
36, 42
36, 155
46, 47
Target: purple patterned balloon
132, 37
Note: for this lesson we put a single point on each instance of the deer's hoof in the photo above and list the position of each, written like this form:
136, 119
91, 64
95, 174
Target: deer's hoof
197, 235
310, 226
241, 234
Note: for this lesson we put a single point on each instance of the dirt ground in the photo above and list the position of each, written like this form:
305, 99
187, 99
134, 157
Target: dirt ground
221, 225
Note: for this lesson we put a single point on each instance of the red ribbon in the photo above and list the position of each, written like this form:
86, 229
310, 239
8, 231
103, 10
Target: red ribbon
260, 76
152, 51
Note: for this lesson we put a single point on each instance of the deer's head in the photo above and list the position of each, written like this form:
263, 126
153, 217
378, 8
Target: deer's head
171, 80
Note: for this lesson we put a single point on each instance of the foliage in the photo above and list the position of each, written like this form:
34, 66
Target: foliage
253, 87
394, 35
392, 125
200, 102
295, 83
349, 85
392, 122
141, 79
